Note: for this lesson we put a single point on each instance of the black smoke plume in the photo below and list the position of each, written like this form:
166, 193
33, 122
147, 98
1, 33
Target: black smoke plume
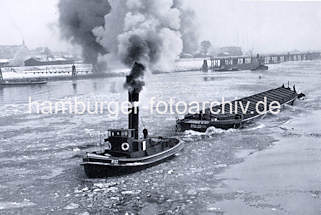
77, 19
133, 80
140, 49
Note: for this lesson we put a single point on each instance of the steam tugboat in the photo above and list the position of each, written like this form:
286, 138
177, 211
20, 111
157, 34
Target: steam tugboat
234, 116
125, 152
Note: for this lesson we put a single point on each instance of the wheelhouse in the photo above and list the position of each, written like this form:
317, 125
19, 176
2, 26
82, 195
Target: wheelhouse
121, 133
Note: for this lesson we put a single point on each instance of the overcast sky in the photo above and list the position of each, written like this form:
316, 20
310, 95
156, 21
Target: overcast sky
264, 26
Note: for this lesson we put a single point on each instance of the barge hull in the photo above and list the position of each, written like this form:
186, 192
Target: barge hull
201, 122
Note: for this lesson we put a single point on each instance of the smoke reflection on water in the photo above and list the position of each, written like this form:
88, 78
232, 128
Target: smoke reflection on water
40, 154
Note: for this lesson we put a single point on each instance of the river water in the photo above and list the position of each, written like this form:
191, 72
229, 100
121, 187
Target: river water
269, 167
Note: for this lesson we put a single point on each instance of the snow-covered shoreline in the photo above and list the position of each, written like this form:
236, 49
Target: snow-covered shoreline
83, 70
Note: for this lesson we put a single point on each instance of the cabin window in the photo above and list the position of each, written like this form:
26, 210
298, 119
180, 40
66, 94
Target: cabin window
125, 134
228, 62
216, 63
248, 60
115, 134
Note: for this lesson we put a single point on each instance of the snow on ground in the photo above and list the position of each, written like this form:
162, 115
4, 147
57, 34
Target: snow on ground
82, 69
189, 64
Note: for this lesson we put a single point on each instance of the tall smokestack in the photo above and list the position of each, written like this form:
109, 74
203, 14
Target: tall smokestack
133, 116
134, 84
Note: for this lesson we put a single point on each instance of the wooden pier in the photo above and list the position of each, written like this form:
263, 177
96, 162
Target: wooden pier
250, 62
280, 58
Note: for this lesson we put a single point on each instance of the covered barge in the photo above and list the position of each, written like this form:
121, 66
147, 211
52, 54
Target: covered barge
239, 112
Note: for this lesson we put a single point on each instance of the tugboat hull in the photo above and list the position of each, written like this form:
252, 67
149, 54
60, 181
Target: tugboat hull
102, 166
99, 170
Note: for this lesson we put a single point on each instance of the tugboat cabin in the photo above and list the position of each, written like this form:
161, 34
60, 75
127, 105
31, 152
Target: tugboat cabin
122, 143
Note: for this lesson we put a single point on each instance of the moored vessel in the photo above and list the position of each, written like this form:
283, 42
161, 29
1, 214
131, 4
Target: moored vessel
4, 83
22, 83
